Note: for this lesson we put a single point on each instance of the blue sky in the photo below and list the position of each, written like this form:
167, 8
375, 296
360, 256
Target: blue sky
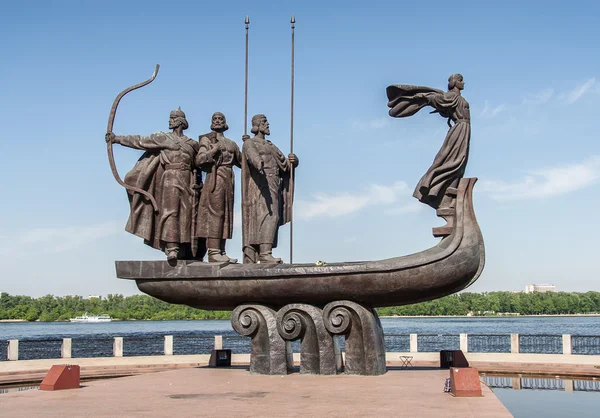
532, 79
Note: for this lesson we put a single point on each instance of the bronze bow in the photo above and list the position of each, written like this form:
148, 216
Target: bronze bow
111, 157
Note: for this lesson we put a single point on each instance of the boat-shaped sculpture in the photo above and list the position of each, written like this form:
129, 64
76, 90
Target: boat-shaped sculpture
450, 266
275, 303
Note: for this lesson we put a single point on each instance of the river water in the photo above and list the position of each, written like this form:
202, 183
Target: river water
553, 325
145, 338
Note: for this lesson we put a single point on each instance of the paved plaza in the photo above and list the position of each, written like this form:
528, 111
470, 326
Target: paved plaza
234, 392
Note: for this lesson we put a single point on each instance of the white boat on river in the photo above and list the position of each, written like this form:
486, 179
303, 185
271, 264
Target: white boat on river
91, 318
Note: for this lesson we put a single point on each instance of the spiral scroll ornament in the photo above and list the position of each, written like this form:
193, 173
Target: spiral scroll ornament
298, 321
291, 326
269, 353
246, 320
337, 318
360, 326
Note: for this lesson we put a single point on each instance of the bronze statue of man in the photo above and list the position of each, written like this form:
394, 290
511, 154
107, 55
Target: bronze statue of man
217, 156
449, 164
266, 196
165, 171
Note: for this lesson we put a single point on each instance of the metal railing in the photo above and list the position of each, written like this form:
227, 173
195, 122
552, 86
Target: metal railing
541, 344
92, 347
143, 346
3, 350
428, 343
192, 344
397, 343
586, 344
202, 343
489, 343
40, 349
237, 344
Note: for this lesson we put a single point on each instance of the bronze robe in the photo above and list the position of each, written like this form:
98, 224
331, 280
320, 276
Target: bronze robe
165, 171
266, 197
449, 164
215, 209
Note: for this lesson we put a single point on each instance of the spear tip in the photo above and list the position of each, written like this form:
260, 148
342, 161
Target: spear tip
293, 20
247, 21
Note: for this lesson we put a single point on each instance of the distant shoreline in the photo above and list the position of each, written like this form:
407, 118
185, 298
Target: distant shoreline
383, 317
488, 316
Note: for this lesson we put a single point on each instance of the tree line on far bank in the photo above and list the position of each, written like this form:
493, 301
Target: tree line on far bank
141, 307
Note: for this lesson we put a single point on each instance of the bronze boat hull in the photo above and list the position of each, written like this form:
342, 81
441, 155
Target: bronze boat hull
452, 265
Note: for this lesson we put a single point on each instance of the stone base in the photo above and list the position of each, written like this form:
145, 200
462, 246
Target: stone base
272, 332
61, 376
464, 382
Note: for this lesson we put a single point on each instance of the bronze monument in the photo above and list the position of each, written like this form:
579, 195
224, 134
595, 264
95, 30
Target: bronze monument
267, 197
437, 188
217, 157
165, 170
275, 303
450, 162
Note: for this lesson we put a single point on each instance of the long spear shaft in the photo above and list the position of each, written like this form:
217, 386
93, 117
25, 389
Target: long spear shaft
293, 22
250, 257
247, 22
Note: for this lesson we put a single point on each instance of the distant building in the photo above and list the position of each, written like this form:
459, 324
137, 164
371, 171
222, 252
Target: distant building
532, 288
94, 297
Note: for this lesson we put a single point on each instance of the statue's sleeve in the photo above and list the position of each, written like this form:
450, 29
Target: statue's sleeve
237, 160
251, 153
406, 100
205, 158
284, 164
153, 142
442, 102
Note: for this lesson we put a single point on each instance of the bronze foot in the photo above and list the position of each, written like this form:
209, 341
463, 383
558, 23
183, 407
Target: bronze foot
268, 258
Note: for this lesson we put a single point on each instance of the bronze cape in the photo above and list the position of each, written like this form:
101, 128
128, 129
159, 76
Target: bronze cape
170, 184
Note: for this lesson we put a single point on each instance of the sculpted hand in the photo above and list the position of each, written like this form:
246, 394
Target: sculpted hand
245, 137
293, 160
218, 147
110, 137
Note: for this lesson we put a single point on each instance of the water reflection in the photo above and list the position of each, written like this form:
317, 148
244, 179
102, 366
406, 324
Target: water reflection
535, 396
17, 389
519, 382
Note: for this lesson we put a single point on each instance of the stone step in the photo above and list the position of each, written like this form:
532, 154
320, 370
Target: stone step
451, 191
446, 212
442, 231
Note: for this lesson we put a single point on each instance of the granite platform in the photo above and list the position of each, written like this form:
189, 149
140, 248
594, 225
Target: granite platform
234, 392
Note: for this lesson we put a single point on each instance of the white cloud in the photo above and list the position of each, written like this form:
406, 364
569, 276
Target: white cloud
339, 204
580, 90
546, 182
411, 207
368, 125
540, 97
489, 111
56, 240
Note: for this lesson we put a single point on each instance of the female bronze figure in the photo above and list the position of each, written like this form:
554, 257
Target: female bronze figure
448, 167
